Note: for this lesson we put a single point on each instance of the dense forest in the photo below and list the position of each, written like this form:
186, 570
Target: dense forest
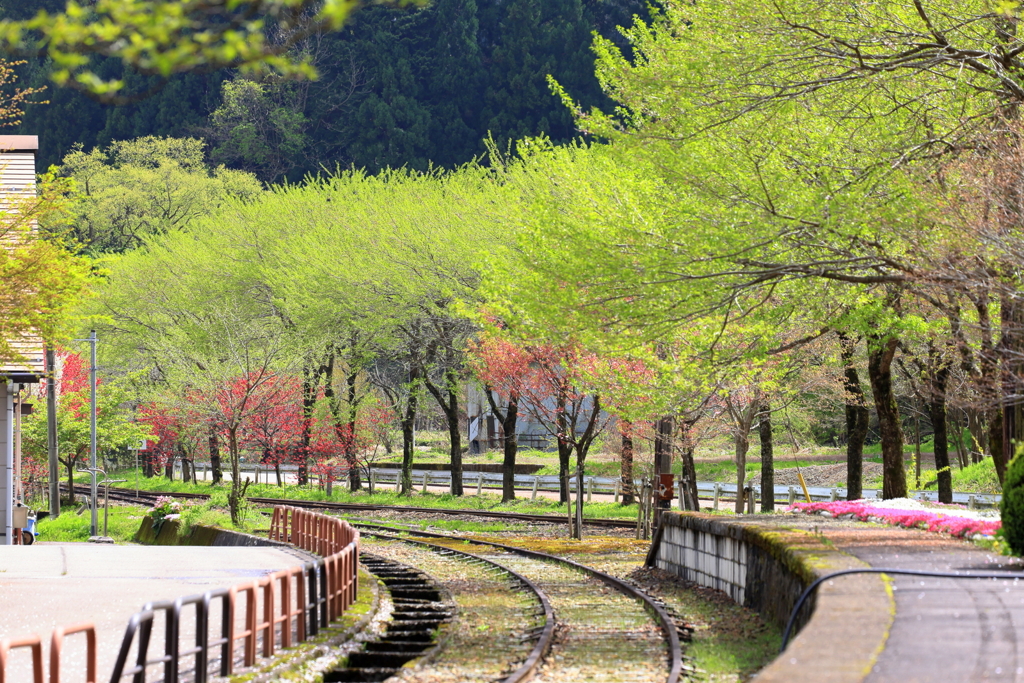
397, 87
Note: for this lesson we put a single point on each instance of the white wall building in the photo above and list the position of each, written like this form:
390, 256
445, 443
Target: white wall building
17, 177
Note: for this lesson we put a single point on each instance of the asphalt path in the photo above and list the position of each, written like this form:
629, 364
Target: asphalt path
944, 630
59, 584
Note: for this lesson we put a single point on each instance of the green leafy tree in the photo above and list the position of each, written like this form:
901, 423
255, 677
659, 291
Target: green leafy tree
115, 426
167, 39
43, 281
177, 310
538, 39
256, 132
135, 189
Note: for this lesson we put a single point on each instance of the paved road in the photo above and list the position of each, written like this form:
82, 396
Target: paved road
945, 630
51, 584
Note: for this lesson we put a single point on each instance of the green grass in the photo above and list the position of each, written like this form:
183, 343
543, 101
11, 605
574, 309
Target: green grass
486, 501
123, 522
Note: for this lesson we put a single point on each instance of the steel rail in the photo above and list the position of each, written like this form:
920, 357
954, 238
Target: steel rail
665, 621
128, 495
547, 635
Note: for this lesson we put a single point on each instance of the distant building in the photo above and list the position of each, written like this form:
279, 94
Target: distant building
485, 432
17, 177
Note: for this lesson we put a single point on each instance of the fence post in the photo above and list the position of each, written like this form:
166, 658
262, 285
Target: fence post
718, 493
425, 481
590, 488
57, 644
479, 483
618, 487
536, 482
33, 642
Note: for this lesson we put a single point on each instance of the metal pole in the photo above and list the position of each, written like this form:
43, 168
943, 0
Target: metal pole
51, 431
8, 471
92, 431
19, 494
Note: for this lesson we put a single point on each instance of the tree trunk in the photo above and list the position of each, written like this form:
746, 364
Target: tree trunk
958, 440
509, 442
215, 467
577, 530
664, 430
409, 434
1012, 353
767, 459
989, 381
455, 439
894, 476
917, 448
564, 449
626, 463
235, 495
71, 480
857, 418
995, 442
742, 445
310, 379
351, 457
689, 470
974, 447
938, 378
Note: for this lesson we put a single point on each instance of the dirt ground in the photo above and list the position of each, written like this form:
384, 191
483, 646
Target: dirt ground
819, 475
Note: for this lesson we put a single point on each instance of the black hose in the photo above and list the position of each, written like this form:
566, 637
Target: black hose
881, 570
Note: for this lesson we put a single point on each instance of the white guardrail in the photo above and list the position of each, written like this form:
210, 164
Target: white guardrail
709, 490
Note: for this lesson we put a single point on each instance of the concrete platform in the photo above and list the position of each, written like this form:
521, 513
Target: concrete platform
944, 630
59, 584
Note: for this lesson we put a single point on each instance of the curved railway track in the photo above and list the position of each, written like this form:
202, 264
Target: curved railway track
542, 633
595, 627
418, 608
149, 497
607, 629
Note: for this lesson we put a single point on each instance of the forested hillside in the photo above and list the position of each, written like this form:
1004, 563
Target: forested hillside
397, 88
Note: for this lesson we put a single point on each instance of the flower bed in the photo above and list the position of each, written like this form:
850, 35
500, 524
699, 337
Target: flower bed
165, 508
961, 527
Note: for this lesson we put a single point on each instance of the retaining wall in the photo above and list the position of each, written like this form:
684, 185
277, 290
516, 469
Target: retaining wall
764, 562
198, 535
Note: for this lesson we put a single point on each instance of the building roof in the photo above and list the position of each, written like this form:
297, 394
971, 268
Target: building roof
19, 143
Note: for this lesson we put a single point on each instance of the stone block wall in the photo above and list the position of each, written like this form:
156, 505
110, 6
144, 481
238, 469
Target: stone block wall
764, 562
738, 556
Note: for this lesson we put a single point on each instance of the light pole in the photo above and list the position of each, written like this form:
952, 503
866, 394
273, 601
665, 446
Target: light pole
92, 430
51, 431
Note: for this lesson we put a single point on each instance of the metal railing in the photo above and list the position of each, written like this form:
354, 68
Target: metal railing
707, 490
281, 609
35, 643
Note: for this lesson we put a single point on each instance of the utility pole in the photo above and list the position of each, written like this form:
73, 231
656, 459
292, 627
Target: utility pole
92, 432
51, 431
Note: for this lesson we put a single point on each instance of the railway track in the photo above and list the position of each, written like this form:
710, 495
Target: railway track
519, 624
418, 608
592, 626
607, 629
149, 498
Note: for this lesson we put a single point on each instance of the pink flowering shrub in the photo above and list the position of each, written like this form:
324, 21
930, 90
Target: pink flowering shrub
921, 519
